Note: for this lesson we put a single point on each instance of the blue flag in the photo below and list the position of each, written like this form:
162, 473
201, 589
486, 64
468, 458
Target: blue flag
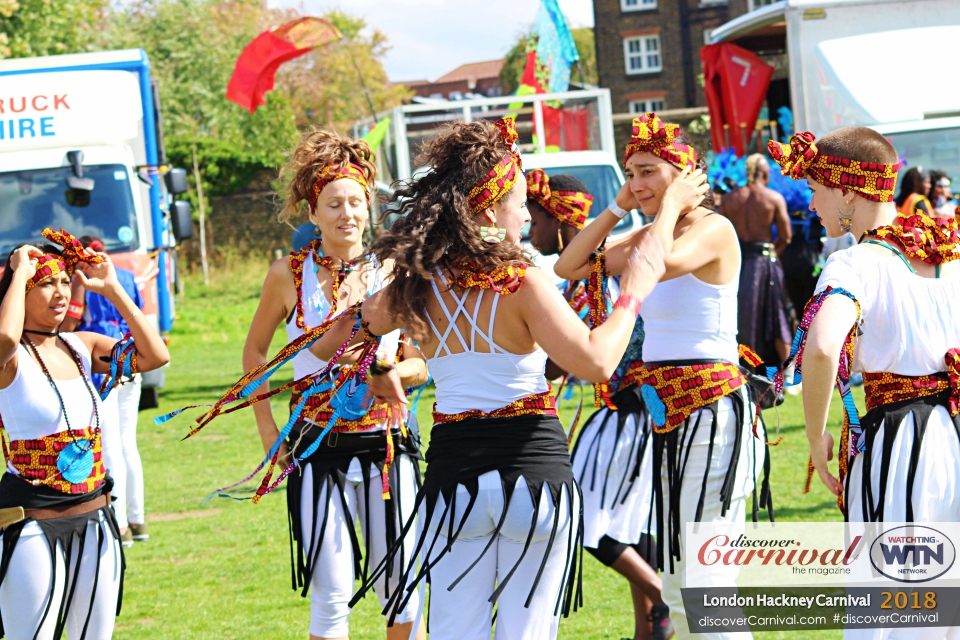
556, 49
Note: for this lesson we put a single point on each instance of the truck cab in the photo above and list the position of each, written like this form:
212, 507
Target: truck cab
81, 148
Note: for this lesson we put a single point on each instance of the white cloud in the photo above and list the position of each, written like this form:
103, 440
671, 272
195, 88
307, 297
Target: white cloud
431, 37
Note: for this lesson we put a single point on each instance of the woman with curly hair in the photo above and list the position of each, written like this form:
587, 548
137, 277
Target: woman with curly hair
341, 481
499, 509
706, 459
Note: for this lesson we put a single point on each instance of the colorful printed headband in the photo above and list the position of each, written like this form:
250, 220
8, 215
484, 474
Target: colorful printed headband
498, 182
800, 159
50, 265
333, 172
653, 135
569, 207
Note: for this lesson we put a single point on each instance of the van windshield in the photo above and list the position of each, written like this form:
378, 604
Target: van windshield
602, 183
32, 200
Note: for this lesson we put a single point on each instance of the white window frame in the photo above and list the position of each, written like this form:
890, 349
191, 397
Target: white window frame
646, 105
649, 56
712, 2
757, 4
637, 5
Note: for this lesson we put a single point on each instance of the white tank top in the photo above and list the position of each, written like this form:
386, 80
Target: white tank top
688, 319
30, 408
316, 307
909, 322
473, 379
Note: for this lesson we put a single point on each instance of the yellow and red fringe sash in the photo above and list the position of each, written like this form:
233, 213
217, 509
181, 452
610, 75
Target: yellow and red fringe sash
540, 404
36, 460
921, 236
296, 262
888, 388
673, 393
597, 304
503, 279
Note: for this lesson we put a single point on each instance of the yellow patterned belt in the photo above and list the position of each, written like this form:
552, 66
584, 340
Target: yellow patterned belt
42, 461
887, 388
540, 404
673, 393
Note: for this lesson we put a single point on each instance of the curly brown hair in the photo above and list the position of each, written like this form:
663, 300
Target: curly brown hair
316, 150
436, 226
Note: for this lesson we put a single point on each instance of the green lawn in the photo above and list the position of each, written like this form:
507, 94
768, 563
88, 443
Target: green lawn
221, 569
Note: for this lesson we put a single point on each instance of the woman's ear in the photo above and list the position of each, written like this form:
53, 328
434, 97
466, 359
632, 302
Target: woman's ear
848, 196
487, 217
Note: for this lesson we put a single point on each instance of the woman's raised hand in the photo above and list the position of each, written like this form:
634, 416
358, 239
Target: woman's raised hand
99, 278
687, 191
644, 268
26, 258
625, 198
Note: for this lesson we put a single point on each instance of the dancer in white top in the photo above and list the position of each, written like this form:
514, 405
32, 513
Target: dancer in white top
61, 566
499, 506
355, 473
886, 308
706, 459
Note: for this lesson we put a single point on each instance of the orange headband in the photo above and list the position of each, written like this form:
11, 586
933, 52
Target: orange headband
498, 182
653, 135
50, 265
800, 159
569, 207
333, 172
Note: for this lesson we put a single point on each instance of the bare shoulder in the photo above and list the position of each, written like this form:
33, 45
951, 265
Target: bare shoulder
279, 272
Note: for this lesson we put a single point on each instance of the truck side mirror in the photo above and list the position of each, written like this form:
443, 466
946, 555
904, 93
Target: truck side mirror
181, 220
77, 182
176, 181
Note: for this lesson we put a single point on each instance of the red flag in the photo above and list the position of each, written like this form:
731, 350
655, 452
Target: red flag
257, 65
736, 83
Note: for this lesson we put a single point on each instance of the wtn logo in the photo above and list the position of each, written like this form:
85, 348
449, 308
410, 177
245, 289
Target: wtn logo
912, 553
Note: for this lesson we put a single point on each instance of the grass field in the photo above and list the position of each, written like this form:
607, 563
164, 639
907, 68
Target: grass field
222, 569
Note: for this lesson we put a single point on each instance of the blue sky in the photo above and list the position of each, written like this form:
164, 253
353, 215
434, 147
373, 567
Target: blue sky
430, 37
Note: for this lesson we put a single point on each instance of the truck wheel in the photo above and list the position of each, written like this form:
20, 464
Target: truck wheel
149, 398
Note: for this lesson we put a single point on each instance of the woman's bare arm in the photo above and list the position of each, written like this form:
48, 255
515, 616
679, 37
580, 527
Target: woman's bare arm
591, 355
821, 357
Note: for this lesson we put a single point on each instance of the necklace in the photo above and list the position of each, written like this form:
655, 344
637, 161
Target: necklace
338, 274
86, 446
41, 333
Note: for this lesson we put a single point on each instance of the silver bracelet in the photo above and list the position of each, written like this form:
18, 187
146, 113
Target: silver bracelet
616, 209
133, 315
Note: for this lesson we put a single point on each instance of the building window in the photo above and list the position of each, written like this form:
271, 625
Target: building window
641, 54
637, 5
756, 4
712, 2
647, 106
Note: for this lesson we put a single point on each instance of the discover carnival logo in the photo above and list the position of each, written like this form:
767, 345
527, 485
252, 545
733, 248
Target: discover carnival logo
912, 553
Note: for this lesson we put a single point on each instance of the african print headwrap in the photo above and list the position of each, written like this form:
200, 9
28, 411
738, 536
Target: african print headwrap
498, 182
801, 159
569, 207
333, 172
50, 265
653, 135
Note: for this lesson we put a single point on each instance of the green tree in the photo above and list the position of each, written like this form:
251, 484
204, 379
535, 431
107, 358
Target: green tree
47, 27
516, 59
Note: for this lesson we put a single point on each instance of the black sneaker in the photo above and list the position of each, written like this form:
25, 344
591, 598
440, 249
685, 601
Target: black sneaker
660, 618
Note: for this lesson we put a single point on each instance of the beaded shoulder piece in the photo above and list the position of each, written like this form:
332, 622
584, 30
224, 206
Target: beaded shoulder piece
851, 439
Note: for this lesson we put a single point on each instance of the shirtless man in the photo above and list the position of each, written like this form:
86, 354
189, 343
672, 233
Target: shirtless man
763, 322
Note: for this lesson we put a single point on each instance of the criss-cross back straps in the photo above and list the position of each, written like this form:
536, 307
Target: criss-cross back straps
460, 309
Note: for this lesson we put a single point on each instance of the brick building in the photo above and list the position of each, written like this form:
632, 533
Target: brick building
481, 78
648, 51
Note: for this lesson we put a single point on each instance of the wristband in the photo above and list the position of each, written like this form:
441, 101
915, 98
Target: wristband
133, 315
75, 315
630, 303
616, 209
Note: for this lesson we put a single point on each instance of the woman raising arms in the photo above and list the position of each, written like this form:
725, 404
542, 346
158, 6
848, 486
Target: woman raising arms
499, 509
61, 566
706, 459
352, 477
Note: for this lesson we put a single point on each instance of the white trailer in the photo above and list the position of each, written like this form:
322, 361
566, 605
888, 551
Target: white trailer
878, 63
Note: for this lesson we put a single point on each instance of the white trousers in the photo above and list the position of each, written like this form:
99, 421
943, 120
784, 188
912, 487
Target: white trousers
464, 612
936, 496
26, 590
120, 454
615, 503
748, 469
332, 585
